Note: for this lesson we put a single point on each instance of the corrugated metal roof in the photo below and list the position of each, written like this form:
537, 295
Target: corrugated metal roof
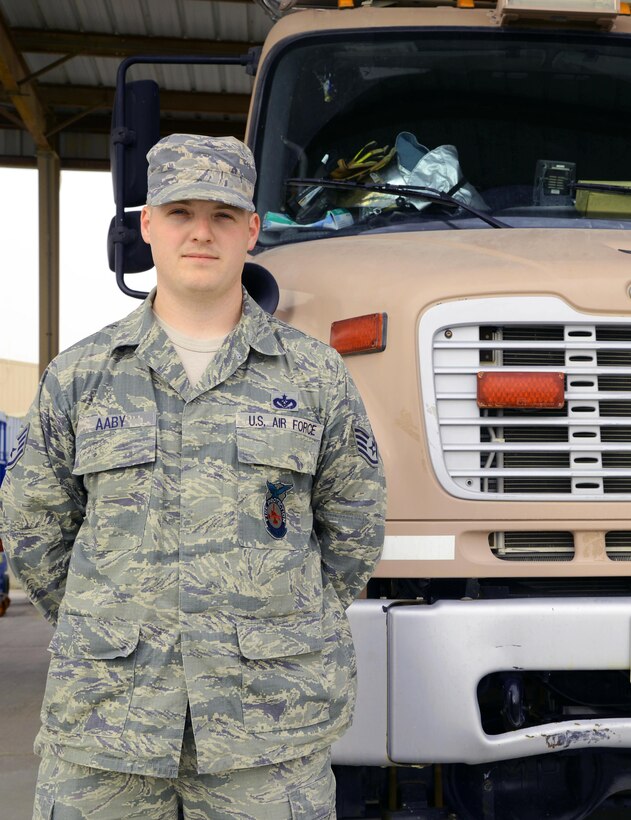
95, 35
244, 21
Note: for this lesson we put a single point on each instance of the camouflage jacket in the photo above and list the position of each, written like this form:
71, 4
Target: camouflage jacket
195, 544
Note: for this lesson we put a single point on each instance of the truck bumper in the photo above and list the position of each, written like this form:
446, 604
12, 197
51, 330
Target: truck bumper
419, 667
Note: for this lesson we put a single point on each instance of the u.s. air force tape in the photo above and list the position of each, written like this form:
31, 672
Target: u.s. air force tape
277, 421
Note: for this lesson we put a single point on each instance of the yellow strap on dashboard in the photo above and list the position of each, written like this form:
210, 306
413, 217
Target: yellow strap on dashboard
367, 160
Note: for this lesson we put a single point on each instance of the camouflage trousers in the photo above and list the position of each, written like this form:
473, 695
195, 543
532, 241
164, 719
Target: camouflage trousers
299, 789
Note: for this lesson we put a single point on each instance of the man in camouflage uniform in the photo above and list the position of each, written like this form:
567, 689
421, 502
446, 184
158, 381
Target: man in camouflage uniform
194, 501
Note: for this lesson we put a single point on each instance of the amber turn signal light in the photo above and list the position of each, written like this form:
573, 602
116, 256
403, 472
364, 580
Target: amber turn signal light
521, 390
361, 334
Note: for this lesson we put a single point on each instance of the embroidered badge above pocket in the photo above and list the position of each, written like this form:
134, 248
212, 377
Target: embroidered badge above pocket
285, 401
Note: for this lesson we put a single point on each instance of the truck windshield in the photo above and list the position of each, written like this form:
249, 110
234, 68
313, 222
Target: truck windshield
532, 128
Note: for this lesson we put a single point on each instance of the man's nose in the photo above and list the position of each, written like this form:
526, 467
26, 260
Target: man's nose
203, 229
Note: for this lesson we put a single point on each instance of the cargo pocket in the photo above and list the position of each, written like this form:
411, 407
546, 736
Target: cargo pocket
283, 677
91, 676
315, 800
117, 466
276, 469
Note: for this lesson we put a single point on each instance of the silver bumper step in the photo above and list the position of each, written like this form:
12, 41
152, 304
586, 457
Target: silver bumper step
419, 667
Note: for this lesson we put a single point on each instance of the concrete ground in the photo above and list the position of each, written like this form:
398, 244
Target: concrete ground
24, 636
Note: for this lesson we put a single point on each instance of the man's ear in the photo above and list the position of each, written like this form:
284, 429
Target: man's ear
255, 227
145, 219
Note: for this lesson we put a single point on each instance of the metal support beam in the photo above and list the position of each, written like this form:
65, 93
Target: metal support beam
24, 97
97, 44
48, 167
202, 102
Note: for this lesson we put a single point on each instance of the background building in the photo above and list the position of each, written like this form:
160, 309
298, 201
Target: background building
18, 383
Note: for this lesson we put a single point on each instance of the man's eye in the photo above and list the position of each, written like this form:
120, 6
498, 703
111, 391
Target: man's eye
225, 215
178, 212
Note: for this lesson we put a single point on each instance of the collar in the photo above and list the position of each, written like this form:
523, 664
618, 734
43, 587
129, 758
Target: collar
253, 329
131, 330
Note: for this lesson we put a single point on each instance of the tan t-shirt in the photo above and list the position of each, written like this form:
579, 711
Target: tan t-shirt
196, 354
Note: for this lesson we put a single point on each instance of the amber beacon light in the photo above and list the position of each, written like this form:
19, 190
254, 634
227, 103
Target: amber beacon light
521, 390
360, 334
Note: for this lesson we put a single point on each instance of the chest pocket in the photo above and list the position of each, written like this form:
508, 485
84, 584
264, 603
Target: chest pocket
276, 469
117, 466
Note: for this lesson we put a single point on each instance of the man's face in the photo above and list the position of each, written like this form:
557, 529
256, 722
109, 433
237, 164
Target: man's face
199, 246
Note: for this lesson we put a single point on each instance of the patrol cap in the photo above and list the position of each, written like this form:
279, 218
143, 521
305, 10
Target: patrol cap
192, 166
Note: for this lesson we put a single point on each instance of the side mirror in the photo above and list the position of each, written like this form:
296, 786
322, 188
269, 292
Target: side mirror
137, 130
261, 286
137, 256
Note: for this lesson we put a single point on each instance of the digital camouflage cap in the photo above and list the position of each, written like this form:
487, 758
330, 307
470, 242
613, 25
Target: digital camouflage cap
192, 166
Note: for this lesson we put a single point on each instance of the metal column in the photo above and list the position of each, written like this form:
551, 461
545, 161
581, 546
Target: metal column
48, 181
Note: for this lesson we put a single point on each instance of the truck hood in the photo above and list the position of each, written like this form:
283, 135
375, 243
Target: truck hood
405, 274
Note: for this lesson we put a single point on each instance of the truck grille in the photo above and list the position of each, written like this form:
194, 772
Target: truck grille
537, 545
582, 450
618, 545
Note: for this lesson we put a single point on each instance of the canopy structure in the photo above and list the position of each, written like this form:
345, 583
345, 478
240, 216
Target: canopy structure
58, 64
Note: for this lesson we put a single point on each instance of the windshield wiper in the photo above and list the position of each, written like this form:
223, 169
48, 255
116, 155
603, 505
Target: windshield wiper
417, 191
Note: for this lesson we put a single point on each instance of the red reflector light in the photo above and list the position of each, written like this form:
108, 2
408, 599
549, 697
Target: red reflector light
516, 390
361, 334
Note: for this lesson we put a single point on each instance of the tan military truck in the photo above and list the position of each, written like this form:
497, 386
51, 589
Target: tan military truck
445, 190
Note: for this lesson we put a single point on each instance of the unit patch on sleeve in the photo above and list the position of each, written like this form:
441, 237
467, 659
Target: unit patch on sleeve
20, 446
274, 513
366, 446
